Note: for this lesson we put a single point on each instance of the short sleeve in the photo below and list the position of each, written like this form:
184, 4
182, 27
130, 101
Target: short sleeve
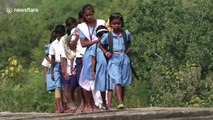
51, 50
128, 35
82, 51
45, 63
81, 34
92, 50
104, 39
73, 34
62, 51
47, 47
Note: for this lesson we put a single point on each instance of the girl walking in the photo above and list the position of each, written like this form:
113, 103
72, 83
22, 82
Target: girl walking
118, 68
87, 34
101, 67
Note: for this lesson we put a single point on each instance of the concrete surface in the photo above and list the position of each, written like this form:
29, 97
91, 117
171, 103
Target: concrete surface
127, 114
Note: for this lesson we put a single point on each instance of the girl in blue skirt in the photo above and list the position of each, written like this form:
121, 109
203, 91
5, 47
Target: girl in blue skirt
118, 68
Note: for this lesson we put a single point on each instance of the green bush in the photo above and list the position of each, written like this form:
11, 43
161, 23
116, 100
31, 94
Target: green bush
172, 51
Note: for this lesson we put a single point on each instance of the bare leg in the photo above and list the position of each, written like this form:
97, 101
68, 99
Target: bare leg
67, 92
59, 105
88, 100
77, 96
103, 96
81, 107
72, 94
118, 91
123, 93
120, 96
109, 98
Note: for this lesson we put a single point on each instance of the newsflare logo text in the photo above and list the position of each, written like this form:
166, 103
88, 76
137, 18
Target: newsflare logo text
21, 10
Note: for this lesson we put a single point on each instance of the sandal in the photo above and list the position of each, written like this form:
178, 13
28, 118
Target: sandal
121, 106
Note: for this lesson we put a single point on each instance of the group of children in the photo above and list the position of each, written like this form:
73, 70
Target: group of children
85, 62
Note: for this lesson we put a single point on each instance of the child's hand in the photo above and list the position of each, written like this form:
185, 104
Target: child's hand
93, 75
72, 70
128, 51
66, 76
108, 54
99, 39
52, 76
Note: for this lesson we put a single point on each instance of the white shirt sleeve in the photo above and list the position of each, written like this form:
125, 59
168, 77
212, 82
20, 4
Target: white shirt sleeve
45, 63
82, 51
62, 51
73, 34
52, 50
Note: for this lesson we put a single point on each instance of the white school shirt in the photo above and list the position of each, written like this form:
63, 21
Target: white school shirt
56, 49
64, 55
45, 63
79, 49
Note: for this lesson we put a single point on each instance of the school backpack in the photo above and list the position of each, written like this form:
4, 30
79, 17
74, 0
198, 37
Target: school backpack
126, 44
110, 38
66, 40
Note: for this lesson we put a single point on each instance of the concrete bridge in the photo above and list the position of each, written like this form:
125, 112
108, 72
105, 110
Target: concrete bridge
127, 114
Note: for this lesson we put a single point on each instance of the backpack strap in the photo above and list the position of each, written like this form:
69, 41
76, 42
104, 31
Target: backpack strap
126, 43
110, 39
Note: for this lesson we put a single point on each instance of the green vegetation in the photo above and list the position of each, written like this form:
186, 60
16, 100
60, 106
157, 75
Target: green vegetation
172, 51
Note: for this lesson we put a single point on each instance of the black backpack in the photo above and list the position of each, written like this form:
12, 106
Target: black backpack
110, 45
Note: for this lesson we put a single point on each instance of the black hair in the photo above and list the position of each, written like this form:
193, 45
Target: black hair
87, 7
116, 16
59, 29
101, 29
70, 20
52, 37
80, 15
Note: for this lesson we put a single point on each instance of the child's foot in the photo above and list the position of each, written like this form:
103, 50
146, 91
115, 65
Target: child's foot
66, 110
102, 108
96, 109
73, 108
59, 111
88, 110
78, 110
109, 109
121, 106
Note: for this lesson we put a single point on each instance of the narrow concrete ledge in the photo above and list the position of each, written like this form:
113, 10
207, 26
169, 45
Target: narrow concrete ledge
127, 114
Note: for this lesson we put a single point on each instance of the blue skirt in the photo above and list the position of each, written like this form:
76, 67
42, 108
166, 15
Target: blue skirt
58, 83
101, 71
118, 71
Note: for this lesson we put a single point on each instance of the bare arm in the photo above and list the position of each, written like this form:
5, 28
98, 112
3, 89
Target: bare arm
87, 43
74, 42
106, 53
93, 67
52, 66
47, 58
102, 48
64, 67
45, 71
72, 66
128, 49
